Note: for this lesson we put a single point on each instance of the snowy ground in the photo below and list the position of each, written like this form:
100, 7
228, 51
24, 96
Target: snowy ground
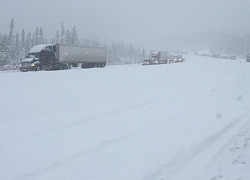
184, 121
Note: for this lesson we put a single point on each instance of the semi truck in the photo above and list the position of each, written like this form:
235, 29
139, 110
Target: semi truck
160, 57
63, 56
177, 58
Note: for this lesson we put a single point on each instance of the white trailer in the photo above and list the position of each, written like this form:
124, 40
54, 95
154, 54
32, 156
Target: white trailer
87, 56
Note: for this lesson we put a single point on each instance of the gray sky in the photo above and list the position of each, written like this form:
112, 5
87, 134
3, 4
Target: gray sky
144, 23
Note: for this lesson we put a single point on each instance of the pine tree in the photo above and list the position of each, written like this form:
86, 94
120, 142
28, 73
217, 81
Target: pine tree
4, 57
17, 47
143, 55
36, 37
11, 32
56, 40
74, 36
41, 38
11, 48
4, 47
1, 42
1, 53
62, 34
29, 43
68, 37
23, 39
23, 45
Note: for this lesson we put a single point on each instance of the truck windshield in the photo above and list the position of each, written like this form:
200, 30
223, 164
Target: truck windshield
33, 55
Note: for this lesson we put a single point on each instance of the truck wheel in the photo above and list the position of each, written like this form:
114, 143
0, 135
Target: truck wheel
38, 68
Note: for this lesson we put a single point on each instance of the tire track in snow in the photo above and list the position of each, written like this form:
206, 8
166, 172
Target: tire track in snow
178, 167
216, 144
232, 156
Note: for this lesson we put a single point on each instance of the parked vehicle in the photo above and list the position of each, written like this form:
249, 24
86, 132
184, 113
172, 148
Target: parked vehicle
63, 56
177, 58
148, 62
248, 58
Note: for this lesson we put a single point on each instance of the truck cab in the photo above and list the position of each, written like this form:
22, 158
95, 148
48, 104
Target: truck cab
40, 57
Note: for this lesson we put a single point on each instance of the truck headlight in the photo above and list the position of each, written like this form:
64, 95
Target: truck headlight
32, 64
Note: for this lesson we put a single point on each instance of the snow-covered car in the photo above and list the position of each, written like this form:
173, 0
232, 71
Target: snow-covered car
148, 62
248, 58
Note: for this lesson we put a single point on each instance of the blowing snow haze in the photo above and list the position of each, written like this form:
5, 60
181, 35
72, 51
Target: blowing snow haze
145, 23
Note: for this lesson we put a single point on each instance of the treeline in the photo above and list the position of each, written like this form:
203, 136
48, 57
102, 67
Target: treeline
118, 53
232, 45
15, 46
229, 44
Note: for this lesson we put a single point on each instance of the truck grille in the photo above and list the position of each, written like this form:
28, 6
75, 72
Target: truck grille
25, 64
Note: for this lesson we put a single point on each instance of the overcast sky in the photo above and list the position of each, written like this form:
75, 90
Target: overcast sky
140, 22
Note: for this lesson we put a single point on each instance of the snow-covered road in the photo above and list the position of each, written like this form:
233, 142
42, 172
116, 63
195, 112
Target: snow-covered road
178, 121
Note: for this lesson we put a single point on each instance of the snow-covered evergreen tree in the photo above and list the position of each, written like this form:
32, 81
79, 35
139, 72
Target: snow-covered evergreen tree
67, 37
4, 56
23, 39
1, 39
74, 36
41, 38
11, 33
1, 43
4, 44
36, 37
143, 55
29, 43
62, 34
23, 45
56, 40
11, 45
17, 47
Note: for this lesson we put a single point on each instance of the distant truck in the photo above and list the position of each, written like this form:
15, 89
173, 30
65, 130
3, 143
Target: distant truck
177, 58
160, 57
63, 56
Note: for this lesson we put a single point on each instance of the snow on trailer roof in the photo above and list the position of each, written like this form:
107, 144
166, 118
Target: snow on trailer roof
39, 47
